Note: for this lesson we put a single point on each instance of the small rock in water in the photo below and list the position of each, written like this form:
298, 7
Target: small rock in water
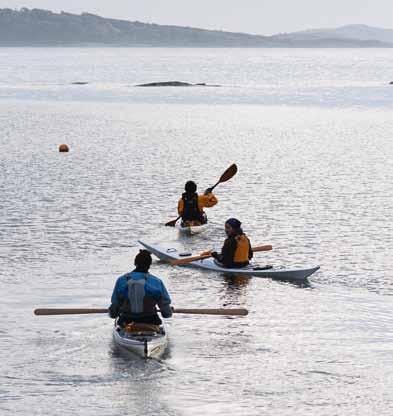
79, 83
166, 84
391, 83
175, 84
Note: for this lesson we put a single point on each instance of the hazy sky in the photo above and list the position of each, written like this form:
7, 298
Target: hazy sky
254, 16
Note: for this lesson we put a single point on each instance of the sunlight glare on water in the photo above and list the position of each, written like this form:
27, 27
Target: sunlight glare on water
314, 181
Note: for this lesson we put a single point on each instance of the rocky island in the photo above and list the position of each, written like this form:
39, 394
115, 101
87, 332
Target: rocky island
175, 84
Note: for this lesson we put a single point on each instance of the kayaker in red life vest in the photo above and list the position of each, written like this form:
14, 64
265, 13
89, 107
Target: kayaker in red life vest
236, 251
190, 205
136, 295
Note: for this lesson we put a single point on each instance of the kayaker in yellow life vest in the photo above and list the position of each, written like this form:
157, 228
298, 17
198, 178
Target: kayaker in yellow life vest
190, 206
236, 251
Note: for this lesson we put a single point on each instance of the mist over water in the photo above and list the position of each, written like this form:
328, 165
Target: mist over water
310, 132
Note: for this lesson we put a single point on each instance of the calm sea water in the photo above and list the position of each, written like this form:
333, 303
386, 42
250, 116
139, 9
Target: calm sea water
311, 132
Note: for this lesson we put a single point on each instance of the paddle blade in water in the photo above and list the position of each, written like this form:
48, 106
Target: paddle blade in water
172, 223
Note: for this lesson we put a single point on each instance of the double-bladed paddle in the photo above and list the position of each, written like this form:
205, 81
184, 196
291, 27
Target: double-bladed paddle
83, 311
187, 260
228, 174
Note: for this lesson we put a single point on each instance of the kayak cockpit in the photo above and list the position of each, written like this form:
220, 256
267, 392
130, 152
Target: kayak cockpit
145, 340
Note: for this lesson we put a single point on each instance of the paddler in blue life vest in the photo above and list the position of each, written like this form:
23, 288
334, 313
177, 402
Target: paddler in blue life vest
190, 206
236, 251
136, 295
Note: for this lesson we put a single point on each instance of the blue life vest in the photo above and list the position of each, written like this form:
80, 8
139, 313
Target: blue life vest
140, 293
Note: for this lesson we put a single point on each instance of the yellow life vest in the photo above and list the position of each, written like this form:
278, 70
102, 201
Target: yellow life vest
242, 249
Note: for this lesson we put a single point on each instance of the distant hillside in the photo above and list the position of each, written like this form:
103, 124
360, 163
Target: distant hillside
353, 32
36, 26
44, 28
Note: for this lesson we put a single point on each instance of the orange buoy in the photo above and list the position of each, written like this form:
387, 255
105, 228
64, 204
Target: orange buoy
63, 148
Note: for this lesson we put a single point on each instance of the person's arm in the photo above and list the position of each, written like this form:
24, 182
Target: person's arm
164, 302
114, 308
180, 206
216, 256
228, 251
115, 294
207, 200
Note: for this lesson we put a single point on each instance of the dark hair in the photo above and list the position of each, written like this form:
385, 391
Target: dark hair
143, 260
234, 223
190, 187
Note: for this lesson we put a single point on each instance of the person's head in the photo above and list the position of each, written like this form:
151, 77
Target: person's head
190, 187
232, 226
143, 260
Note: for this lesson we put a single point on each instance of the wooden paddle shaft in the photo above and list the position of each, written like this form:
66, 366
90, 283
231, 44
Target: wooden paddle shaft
240, 311
69, 311
266, 247
82, 311
186, 260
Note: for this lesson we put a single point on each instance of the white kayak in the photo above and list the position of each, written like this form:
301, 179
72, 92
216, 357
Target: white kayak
146, 344
253, 269
193, 229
